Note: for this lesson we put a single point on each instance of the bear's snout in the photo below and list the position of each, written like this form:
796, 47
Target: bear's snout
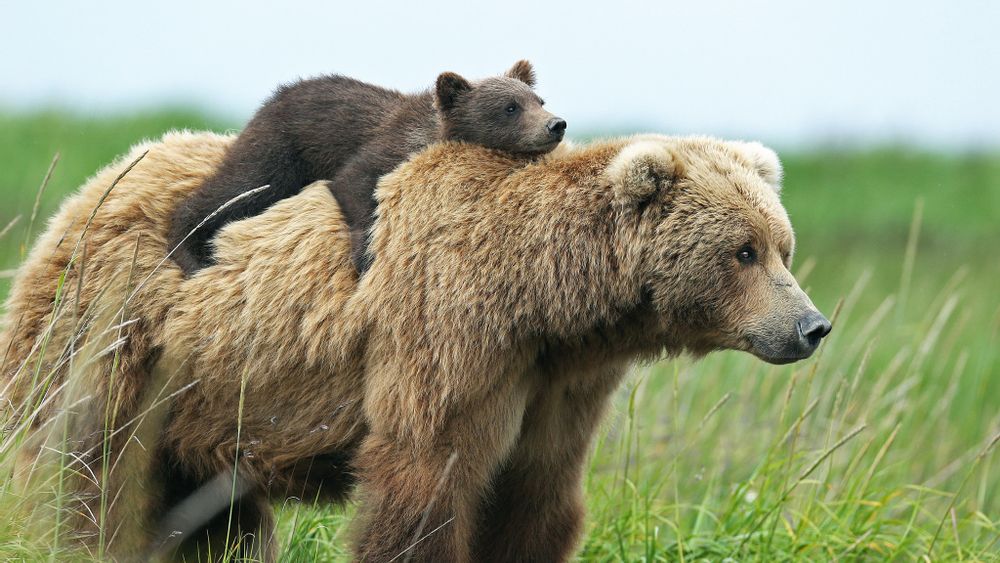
812, 327
556, 127
790, 339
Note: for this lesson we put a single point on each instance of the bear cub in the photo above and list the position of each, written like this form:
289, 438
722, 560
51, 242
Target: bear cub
351, 133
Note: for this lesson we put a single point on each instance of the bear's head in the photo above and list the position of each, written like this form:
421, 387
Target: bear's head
714, 246
501, 112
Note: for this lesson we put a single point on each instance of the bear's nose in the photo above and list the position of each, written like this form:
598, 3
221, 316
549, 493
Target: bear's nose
556, 126
813, 326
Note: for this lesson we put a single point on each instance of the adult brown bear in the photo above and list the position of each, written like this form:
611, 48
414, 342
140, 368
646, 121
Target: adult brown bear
460, 382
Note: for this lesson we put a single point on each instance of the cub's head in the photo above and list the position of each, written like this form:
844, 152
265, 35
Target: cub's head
714, 246
502, 112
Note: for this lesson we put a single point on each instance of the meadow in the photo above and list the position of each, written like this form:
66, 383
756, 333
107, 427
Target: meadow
880, 447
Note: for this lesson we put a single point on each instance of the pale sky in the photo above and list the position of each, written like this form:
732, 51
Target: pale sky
786, 72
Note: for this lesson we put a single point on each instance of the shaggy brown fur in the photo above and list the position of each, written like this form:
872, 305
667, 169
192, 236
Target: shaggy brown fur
351, 133
462, 380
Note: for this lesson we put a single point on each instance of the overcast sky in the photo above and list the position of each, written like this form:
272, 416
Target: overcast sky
786, 72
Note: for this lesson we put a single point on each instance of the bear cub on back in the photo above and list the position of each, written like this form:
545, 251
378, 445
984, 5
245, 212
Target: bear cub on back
351, 133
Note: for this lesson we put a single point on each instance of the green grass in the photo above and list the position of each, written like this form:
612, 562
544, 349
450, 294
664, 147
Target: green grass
879, 448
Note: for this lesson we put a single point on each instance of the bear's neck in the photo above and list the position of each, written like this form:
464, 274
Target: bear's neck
415, 123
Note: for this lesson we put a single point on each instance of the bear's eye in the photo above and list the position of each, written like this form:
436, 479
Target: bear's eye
511, 108
746, 255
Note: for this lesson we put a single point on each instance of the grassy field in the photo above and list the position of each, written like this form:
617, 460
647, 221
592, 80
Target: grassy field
879, 448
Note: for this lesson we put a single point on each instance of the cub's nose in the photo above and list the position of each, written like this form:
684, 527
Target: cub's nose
813, 326
556, 126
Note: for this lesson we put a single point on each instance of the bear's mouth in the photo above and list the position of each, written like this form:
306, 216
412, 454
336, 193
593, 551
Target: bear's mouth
784, 353
780, 361
546, 146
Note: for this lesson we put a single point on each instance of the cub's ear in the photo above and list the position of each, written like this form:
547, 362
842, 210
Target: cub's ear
640, 170
523, 71
450, 87
764, 160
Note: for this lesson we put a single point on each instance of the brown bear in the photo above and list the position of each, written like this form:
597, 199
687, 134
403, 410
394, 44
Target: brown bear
460, 382
351, 133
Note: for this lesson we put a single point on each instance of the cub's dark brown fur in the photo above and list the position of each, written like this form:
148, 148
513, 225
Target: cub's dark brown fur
351, 133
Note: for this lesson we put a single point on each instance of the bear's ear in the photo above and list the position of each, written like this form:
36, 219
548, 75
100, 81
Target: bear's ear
765, 161
450, 87
523, 71
640, 170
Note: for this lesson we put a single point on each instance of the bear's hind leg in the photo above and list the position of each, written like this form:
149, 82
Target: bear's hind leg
205, 523
247, 535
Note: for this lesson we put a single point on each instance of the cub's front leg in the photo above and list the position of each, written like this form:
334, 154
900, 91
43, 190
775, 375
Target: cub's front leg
354, 189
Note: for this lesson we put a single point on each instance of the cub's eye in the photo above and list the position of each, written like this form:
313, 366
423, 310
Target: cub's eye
511, 108
541, 102
746, 255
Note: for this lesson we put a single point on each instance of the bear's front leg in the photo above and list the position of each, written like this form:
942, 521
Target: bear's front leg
536, 511
422, 486
354, 189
